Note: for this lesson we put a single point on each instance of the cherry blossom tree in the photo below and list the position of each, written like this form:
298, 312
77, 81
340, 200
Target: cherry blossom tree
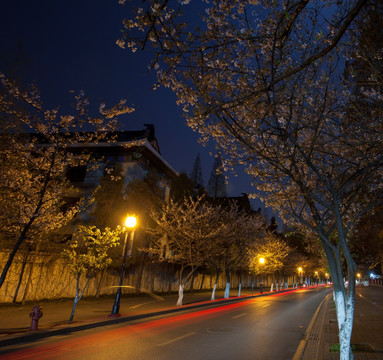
241, 231
88, 252
37, 148
265, 81
188, 230
273, 250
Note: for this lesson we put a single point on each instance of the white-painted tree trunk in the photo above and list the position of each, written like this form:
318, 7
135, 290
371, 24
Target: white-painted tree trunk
276, 288
227, 290
180, 295
345, 316
239, 290
213, 293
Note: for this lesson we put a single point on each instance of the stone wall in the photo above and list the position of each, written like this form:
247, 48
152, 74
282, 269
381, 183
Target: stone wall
51, 279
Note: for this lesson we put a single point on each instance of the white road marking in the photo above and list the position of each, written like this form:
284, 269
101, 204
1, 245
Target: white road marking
266, 305
176, 339
238, 316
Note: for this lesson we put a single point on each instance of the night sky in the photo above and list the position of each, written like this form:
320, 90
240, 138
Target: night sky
71, 45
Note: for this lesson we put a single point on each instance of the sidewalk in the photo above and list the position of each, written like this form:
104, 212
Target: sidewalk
367, 335
15, 322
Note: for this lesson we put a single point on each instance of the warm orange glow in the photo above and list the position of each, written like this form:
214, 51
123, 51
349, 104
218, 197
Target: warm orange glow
300, 269
261, 260
131, 222
358, 275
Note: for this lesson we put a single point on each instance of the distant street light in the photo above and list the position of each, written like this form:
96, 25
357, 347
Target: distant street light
358, 275
261, 261
130, 223
300, 274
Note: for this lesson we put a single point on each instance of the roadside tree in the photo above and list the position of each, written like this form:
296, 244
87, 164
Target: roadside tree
185, 235
264, 81
35, 153
273, 250
241, 231
88, 252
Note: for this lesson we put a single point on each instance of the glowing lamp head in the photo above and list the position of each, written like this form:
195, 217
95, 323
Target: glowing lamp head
358, 275
261, 260
300, 269
130, 222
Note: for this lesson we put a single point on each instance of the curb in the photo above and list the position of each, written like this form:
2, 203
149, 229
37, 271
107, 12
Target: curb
302, 345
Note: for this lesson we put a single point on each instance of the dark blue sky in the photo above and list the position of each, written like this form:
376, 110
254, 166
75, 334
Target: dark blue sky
70, 45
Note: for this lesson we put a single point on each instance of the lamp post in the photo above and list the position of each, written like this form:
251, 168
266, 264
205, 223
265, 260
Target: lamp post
261, 261
130, 223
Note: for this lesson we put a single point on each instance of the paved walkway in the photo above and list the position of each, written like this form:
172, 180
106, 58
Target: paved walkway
367, 333
15, 321
321, 334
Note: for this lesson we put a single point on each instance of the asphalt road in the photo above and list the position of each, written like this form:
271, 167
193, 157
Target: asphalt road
263, 328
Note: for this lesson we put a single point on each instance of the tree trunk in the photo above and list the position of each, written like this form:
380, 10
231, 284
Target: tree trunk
202, 281
181, 286
344, 299
345, 316
30, 222
227, 289
240, 284
73, 308
13, 253
78, 296
180, 295
29, 280
25, 259
215, 284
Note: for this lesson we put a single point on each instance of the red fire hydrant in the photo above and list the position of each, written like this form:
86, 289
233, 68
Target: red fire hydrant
36, 314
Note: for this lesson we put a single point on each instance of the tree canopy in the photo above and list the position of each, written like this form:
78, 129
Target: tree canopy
291, 90
36, 150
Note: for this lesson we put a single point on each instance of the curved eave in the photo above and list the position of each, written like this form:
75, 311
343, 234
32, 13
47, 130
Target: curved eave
142, 145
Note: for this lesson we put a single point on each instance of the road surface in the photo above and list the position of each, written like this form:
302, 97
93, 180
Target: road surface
263, 328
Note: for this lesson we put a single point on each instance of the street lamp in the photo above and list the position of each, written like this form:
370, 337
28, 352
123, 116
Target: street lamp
300, 273
130, 223
261, 261
358, 275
